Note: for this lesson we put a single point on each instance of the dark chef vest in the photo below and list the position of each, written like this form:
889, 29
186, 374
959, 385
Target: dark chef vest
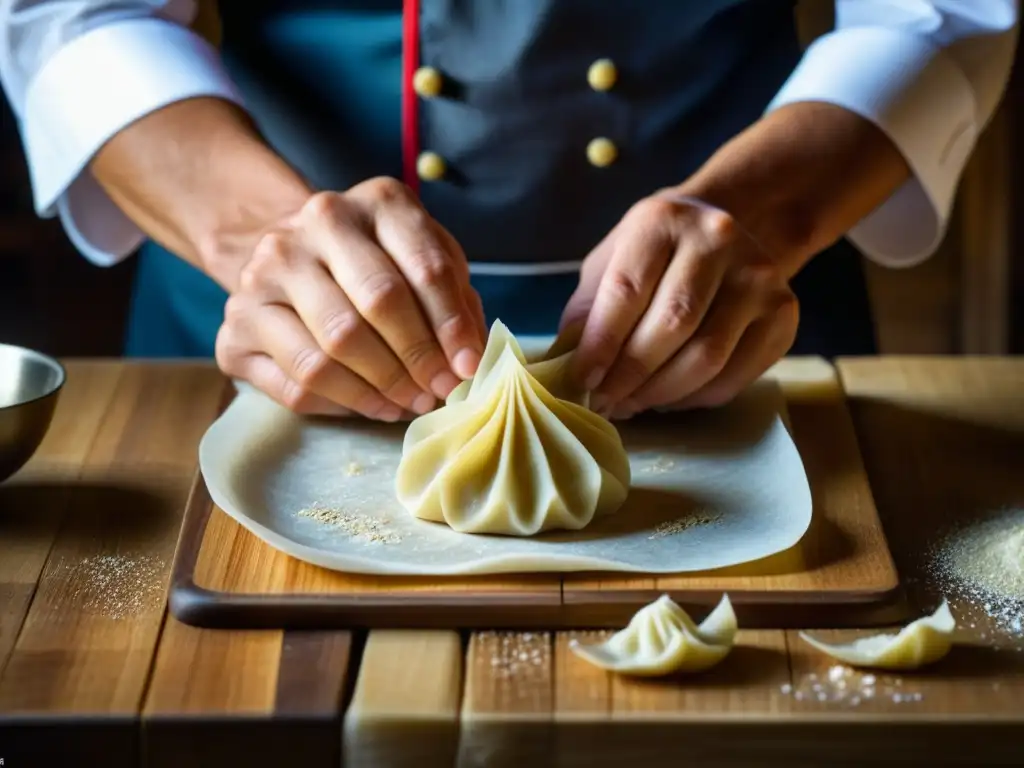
331, 86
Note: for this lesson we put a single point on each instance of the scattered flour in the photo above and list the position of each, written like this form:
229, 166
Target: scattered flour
849, 687
117, 586
525, 656
672, 527
372, 530
982, 563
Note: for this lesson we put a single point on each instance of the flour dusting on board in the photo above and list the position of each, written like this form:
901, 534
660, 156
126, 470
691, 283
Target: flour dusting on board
982, 564
117, 586
846, 687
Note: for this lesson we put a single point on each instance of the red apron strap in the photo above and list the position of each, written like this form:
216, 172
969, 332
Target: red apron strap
410, 104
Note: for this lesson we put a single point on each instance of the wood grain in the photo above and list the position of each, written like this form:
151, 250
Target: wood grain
261, 697
840, 567
840, 574
985, 203
508, 701
405, 707
87, 642
605, 719
33, 502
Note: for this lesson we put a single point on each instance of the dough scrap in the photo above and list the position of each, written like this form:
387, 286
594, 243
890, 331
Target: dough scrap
515, 450
662, 639
921, 642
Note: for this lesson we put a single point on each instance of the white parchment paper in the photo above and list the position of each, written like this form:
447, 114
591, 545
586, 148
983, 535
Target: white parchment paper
710, 489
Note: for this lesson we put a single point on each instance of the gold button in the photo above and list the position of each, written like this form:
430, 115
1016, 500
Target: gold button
430, 166
602, 75
601, 152
427, 82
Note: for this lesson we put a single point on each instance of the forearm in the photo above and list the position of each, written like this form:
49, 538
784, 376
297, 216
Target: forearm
800, 177
196, 177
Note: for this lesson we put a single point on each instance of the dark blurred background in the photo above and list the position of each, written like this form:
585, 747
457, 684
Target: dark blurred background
968, 299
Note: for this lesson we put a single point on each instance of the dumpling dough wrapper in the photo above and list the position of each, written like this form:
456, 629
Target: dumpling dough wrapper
514, 451
921, 642
662, 639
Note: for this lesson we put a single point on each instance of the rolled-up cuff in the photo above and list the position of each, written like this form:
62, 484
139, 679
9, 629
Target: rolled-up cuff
923, 102
95, 86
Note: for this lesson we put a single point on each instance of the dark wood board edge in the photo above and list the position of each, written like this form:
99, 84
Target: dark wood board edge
202, 607
571, 609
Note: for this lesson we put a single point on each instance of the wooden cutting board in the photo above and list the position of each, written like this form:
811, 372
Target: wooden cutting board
840, 574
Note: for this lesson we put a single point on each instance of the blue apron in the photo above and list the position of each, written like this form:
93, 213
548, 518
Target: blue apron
324, 82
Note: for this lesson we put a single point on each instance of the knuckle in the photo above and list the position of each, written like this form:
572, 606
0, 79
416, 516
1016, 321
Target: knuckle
419, 353
602, 344
384, 189
719, 225
339, 330
680, 314
252, 276
322, 205
392, 383
309, 366
712, 353
235, 310
633, 368
295, 396
623, 288
224, 352
431, 268
653, 211
274, 249
379, 294
455, 325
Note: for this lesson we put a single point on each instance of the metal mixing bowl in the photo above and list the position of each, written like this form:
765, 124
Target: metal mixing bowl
30, 384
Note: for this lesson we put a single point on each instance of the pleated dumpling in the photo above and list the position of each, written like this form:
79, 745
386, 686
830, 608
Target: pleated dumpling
921, 642
662, 639
515, 450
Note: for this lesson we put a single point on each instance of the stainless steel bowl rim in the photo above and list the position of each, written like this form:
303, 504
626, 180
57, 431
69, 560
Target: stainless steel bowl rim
62, 374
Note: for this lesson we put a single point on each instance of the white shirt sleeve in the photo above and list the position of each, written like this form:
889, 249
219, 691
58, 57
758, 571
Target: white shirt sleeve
930, 75
76, 73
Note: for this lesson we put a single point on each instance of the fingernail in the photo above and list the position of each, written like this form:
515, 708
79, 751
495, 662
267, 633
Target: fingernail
594, 378
424, 403
389, 412
625, 410
466, 361
443, 384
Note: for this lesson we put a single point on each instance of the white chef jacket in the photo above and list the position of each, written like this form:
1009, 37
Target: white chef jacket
928, 74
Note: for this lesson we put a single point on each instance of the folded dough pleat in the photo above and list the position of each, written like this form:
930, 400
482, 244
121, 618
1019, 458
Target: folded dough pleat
662, 639
921, 642
508, 455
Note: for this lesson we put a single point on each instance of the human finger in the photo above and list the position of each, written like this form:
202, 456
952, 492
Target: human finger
379, 292
763, 344
436, 277
639, 258
290, 345
702, 357
677, 309
345, 336
239, 359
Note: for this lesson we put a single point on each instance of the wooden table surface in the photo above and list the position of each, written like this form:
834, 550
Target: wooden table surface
93, 671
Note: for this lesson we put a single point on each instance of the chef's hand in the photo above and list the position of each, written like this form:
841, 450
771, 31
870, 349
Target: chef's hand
680, 309
360, 302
